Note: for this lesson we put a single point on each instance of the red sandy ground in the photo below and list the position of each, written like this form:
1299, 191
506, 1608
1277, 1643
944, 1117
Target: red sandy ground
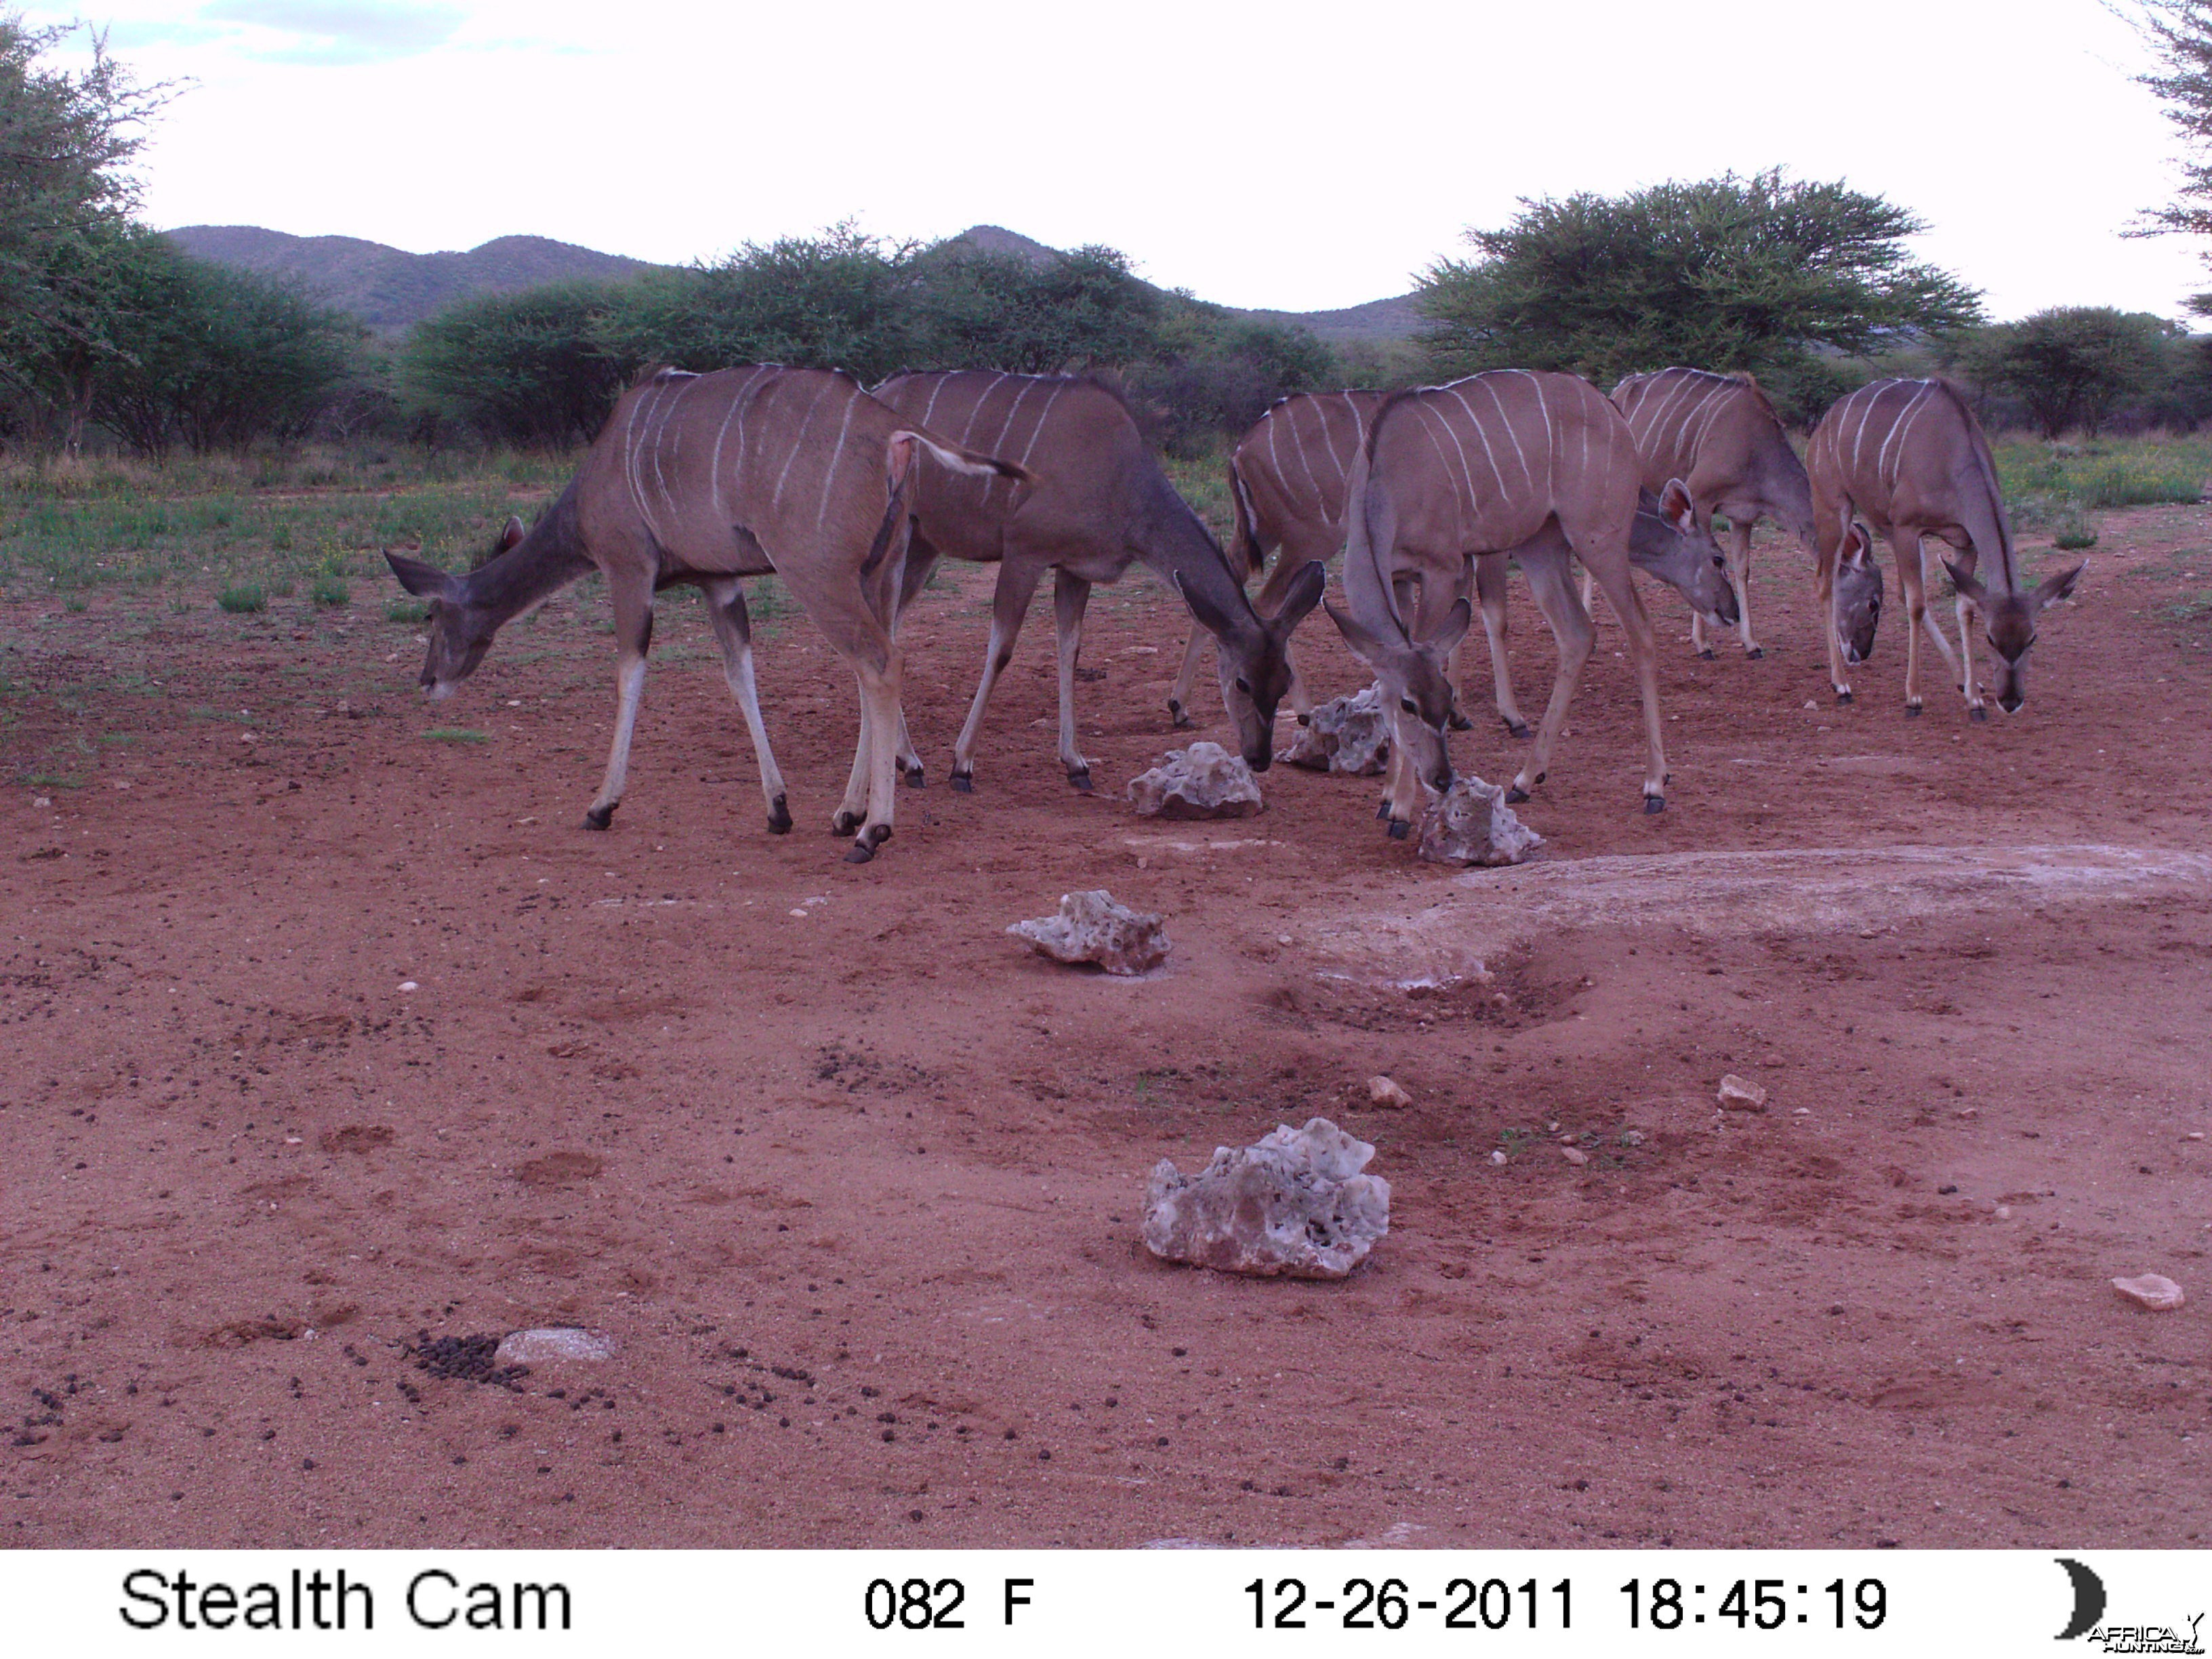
857, 1190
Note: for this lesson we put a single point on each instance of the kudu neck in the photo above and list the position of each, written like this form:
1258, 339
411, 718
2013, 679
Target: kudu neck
1174, 542
550, 557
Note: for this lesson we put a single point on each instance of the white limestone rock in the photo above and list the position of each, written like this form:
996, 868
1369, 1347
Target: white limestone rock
1295, 1205
2153, 1290
1471, 823
550, 1343
1094, 926
1202, 781
1345, 734
1739, 1094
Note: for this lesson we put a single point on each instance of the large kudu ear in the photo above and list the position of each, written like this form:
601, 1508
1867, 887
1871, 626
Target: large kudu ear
1210, 617
1303, 594
1858, 547
2052, 589
1368, 646
1968, 588
424, 581
1676, 508
1444, 638
510, 536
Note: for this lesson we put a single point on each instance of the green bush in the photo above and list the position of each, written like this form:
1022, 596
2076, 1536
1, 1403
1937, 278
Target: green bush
456, 734
330, 591
243, 600
2073, 530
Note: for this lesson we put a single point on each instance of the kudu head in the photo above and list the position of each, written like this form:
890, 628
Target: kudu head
1254, 655
1667, 541
1415, 686
1858, 593
461, 632
2009, 619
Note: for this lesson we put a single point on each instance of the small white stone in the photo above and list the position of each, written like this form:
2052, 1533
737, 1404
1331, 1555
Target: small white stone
1741, 1095
1498, 1158
1202, 781
42, 800
801, 914
407, 984
1284, 938
1388, 1092
1574, 1155
1094, 926
550, 1344
1295, 1204
2153, 1290
2004, 1212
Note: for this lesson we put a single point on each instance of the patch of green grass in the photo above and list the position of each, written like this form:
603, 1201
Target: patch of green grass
2109, 472
331, 591
456, 734
75, 602
43, 780
2072, 530
243, 600
406, 611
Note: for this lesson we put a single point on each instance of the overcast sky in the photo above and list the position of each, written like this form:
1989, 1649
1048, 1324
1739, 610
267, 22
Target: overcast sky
1277, 155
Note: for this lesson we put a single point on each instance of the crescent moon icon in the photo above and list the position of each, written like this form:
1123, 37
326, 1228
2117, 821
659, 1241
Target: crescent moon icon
2088, 1599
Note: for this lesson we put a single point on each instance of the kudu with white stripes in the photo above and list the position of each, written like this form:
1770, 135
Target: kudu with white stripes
707, 479
1099, 503
1539, 466
1722, 437
1911, 458
1286, 478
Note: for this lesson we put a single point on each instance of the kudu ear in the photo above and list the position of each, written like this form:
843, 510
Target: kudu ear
1447, 634
510, 535
2052, 589
1967, 587
1858, 545
1370, 647
1303, 594
1676, 508
1210, 617
424, 581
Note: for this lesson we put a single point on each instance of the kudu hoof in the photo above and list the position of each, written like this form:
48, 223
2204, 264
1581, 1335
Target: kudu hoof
1177, 715
1460, 723
1912, 711
1383, 810
864, 848
914, 777
1843, 696
1705, 655
844, 823
1400, 829
1515, 795
1518, 729
963, 783
860, 852
599, 818
779, 819
1754, 654
1978, 714
1079, 778
1654, 803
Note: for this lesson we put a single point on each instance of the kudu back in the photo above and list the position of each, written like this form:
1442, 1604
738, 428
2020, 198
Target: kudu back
1910, 458
707, 479
1099, 502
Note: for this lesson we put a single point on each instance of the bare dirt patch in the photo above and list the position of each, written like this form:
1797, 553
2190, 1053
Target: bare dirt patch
854, 1179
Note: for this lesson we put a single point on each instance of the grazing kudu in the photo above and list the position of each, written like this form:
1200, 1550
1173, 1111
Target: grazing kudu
1286, 479
1538, 467
707, 479
1099, 503
1721, 436
1910, 457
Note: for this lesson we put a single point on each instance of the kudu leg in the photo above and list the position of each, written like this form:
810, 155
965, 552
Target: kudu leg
920, 564
1490, 588
633, 605
1739, 575
1070, 595
1179, 698
1824, 605
1911, 578
1976, 709
734, 633
1643, 656
1010, 604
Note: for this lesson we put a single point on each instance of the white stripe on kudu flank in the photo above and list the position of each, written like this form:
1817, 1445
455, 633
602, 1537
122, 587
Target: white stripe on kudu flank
1320, 500
738, 400
1452, 426
1328, 434
976, 407
1883, 471
1505, 420
1550, 433
997, 446
936, 388
1058, 387
797, 442
630, 457
659, 433
1473, 500
1459, 508
1274, 457
829, 472
1858, 439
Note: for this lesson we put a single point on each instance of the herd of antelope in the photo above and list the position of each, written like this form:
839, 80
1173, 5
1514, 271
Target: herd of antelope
851, 496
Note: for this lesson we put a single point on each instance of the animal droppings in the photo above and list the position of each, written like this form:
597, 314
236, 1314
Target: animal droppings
1093, 926
1384, 1091
2153, 1290
552, 1343
1345, 734
1471, 823
1740, 1095
1294, 1205
1202, 781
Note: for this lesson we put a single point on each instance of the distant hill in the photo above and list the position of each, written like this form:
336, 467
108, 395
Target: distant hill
389, 288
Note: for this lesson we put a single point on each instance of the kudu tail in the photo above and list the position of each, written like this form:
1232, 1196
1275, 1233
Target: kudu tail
968, 462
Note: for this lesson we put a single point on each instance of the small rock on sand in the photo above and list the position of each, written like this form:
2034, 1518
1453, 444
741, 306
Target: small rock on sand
1202, 781
1574, 1155
1386, 1091
1345, 734
1094, 926
2153, 1290
1471, 823
1293, 1204
1740, 1095
551, 1343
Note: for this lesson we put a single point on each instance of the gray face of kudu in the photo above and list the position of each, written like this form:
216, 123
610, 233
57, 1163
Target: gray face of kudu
1254, 661
2009, 620
1415, 686
1667, 542
1858, 594
460, 632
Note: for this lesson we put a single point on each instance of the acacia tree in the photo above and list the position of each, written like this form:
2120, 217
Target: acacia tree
2180, 33
525, 368
2073, 364
1732, 273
